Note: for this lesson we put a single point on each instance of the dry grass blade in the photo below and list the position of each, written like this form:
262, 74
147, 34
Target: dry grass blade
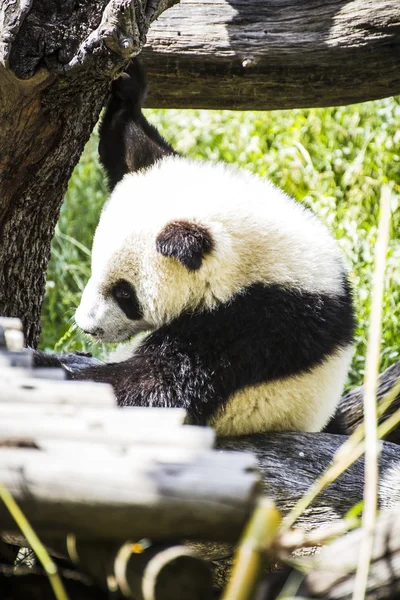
370, 387
250, 557
36, 545
344, 457
354, 448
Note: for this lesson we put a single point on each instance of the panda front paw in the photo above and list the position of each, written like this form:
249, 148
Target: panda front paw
71, 362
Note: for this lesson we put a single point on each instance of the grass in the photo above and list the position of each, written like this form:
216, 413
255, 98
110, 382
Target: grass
335, 160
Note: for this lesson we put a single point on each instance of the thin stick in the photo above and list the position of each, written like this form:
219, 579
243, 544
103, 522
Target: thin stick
34, 542
346, 455
383, 405
370, 388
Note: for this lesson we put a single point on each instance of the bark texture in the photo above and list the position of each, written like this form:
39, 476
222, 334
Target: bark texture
253, 54
56, 62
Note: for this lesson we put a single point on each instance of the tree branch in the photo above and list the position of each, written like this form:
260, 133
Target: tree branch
257, 55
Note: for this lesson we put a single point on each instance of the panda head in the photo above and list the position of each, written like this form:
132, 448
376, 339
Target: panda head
148, 280
155, 255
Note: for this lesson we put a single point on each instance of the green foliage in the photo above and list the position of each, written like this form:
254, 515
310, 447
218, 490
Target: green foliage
334, 160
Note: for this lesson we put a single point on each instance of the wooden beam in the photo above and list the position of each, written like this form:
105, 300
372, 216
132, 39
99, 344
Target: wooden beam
18, 386
257, 55
122, 430
110, 497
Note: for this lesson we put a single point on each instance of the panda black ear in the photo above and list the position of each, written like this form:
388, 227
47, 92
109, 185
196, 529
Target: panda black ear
186, 241
128, 142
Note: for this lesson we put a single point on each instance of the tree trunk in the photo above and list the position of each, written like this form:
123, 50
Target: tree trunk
258, 55
56, 62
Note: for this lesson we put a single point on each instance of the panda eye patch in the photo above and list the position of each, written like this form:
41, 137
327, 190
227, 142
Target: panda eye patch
125, 296
120, 293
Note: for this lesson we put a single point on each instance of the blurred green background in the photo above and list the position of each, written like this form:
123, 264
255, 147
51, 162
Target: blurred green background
335, 160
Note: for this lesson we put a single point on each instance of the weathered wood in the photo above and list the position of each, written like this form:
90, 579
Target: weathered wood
118, 499
17, 387
334, 575
11, 323
156, 417
33, 584
350, 412
252, 54
11, 334
156, 572
57, 60
290, 462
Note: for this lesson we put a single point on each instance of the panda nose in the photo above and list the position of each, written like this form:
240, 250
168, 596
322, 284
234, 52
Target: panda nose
97, 331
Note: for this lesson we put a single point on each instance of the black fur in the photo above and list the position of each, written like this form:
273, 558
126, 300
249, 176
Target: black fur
201, 358
186, 241
128, 142
126, 298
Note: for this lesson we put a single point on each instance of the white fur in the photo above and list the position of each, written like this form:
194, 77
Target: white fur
259, 233
125, 351
303, 402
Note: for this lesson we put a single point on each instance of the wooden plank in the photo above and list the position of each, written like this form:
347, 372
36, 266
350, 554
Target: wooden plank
11, 323
257, 55
11, 329
169, 417
117, 499
120, 431
16, 386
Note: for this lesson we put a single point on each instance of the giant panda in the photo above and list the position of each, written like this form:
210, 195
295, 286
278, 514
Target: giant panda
242, 291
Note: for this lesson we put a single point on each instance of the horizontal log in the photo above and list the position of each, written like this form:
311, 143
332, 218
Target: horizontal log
290, 463
83, 483
257, 55
150, 572
119, 498
350, 412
